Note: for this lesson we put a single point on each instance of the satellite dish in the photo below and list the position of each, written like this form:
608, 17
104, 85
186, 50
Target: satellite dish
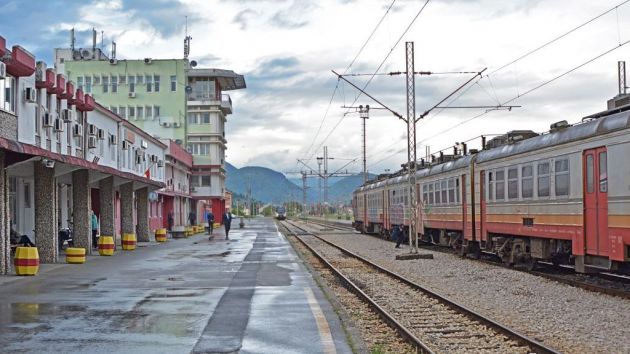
193, 63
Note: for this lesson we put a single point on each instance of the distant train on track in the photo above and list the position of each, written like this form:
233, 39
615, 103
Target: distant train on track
281, 213
562, 196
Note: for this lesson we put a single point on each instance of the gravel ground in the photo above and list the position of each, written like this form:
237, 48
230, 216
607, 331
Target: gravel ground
569, 319
378, 337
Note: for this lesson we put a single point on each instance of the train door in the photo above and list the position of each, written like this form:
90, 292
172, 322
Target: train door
464, 206
482, 206
595, 172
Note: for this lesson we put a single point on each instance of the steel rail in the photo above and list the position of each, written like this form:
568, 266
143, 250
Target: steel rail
386, 316
532, 343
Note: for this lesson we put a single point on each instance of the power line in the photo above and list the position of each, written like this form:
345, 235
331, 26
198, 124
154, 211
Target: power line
376, 71
346, 70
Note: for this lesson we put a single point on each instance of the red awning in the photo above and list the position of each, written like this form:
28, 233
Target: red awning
69, 94
88, 104
78, 99
60, 87
21, 63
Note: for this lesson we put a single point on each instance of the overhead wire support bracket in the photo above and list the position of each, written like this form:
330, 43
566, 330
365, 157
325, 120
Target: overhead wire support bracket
495, 107
370, 96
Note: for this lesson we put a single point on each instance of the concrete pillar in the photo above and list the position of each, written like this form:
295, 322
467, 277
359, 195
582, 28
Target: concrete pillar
81, 218
5, 249
45, 213
107, 194
126, 208
142, 198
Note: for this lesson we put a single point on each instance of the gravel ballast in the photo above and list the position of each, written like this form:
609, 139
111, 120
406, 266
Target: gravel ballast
566, 318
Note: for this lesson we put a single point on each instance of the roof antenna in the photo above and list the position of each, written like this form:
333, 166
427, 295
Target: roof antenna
187, 41
93, 43
72, 39
102, 35
113, 50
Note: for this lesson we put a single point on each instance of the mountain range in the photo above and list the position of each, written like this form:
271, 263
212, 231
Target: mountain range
274, 187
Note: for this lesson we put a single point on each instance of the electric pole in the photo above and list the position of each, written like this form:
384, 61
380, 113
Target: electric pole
411, 147
364, 114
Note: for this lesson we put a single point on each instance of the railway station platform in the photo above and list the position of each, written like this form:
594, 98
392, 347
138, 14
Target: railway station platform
248, 294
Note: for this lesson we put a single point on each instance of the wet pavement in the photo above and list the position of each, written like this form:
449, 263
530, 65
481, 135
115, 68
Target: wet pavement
250, 294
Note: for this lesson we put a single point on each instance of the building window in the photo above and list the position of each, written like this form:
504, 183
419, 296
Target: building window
97, 80
173, 83
194, 181
80, 83
199, 148
500, 184
7, 94
527, 181
513, 183
132, 111
122, 111
148, 79
562, 177
140, 112
205, 181
122, 79
543, 179
156, 83
114, 109
156, 111
105, 84
88, 84
149, 112
139, 79
132, 84
114, 84
205, 118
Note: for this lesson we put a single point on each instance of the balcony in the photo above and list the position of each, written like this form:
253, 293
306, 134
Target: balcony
205, 98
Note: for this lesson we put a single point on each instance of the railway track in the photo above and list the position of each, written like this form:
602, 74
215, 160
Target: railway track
432, 323
605, 283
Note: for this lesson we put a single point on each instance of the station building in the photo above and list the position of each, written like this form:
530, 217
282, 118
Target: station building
170, 99
63, 155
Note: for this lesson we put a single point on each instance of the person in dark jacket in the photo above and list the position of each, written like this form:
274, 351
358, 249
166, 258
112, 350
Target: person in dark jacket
192, 218
171, 221
227, 222
398, 236
210, 218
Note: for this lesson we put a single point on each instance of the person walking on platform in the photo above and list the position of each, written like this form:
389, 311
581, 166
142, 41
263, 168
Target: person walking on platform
227, 222
94, 230
210, 218
170, 221
397, 235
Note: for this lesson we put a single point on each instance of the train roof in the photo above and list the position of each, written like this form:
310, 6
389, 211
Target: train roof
600, 126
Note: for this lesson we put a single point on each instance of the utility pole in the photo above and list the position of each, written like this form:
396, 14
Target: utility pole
364, 114
411, 146
319, 182
325, 175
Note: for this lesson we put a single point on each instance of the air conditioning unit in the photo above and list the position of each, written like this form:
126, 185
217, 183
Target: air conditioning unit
67, 115
47, 120
144, 144
154, 158
58, 125
125, 145
166, 125
30, 95
160, 163
132, 95
91, 142
138, 159
92, 129
148, 60
113, 61
100, 134
177, 125
113, 140
3, 70
77, 130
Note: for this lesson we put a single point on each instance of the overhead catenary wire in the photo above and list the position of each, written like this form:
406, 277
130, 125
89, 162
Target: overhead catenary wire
346, 70
376, 71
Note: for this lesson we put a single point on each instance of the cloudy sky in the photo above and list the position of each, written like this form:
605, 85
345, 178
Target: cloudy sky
287, 48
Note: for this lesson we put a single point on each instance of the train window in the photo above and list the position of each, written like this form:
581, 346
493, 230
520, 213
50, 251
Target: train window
425, 189
513, 183
603, 175
490, 186
543, 179
500, 185
451, 191
438, 196
589, 173
431, 193
444, 192
562, 177
457, 189
527, 181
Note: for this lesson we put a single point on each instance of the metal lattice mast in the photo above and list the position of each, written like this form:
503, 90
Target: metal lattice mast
622, 77
411, 146
304, 193
364, 113
325, 175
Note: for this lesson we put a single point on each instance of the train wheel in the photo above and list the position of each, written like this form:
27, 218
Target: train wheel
531, 263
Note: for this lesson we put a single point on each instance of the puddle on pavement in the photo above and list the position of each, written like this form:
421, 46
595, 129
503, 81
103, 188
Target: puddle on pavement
23, 312
212, 255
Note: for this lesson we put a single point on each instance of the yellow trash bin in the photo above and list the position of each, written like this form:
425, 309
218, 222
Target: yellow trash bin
26, 261
75, 255
129, 242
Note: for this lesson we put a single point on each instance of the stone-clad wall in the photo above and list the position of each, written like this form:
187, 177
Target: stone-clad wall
5, 249
45, 213
8, 126
126, 206
106, 196
142, 199
81, 222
